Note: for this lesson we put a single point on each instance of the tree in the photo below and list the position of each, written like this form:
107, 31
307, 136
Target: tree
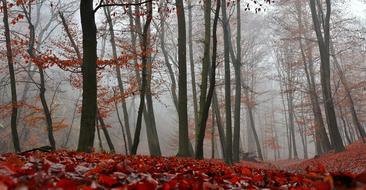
144, 73
321, 138
207, 100
14, 101
322, 30
229, 140
42, 82
183, 149
237, 66
191, 62
107, 13
89, 71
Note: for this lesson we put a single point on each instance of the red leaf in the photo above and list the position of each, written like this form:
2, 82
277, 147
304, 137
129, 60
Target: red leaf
322, 186
67, 184
246, 172
107, 180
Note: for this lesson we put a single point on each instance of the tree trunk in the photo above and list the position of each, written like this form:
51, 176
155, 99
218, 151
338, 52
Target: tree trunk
106, 133
207, 100
89, 73
229, 140
237, 66
256, 138
14, 101
173, 87
191, 61
323, 43
119, 77
144, 82
72, 122
355, 120
321, 138
153, 139
183, 149
47, 113
220, 125
200, 129
99, 136
291, 112
41, 86
123, 129
213, 135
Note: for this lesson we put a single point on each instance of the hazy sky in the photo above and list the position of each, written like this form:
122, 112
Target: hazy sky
358, 8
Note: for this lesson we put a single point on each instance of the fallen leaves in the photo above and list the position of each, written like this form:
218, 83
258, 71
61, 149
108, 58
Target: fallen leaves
72, 170
350, 161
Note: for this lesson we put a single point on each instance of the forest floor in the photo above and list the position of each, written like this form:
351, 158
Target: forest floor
71, 170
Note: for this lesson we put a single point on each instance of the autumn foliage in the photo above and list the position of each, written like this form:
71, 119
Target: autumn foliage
72, 170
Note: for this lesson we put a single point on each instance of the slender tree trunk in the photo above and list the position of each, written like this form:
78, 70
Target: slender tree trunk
323, 37
89, 73
41, 85
183, 149
99, 136
291, 113
355, 120
220, 125
229, 140
106, 133
47, 113
153, 139
137, 32
72, 122
321, 138
123, 129
173, 87
119, 77
346, 134
256, 138
213, 135
191, 61
14, 101
207, 100
286, 119
144, 73
237, 66
205, 68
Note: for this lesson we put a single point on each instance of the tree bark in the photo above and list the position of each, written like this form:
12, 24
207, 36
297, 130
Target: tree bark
89, 73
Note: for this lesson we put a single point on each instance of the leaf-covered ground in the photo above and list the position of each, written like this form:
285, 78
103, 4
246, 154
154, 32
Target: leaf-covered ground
72, 170
352, 161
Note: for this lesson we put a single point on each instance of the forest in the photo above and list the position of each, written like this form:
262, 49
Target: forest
182, 94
